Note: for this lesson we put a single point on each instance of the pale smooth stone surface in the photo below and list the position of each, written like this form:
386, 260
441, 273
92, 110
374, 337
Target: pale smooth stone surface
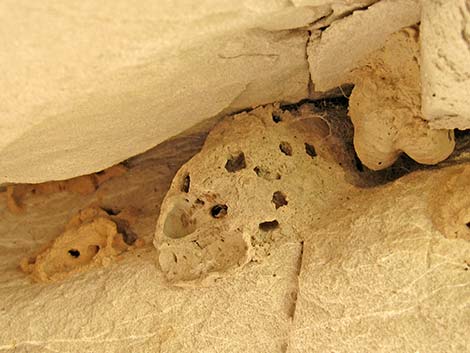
445, 60
342, 46
87, 85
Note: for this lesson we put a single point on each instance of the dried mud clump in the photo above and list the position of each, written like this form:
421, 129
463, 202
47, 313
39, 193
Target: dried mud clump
385, 108
244, 193
93, 237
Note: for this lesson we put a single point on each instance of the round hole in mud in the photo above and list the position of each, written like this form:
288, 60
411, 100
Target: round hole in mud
219, 211
178, 222
268, 225
93, 249
286, 148
279, 199
277, 118
74, 253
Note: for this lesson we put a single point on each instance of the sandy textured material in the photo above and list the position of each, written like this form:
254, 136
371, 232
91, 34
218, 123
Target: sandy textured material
381, 277
239, 196
84, 185
385, 107
92, 237
445, 50
127, 306
369, 266
343, 45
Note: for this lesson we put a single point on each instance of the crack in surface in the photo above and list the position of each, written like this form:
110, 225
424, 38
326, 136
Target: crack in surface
295, 295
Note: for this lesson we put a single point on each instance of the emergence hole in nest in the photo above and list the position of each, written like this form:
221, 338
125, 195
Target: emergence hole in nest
468, 225
219, 211
74, 253
286, 148
129, 237
94, 249
277, 118
310, 149
268, 226
279, 199
186, 183
236, 163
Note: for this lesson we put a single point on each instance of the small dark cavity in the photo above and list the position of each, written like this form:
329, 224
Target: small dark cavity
468, 225
74, 253
94, 249
279, 199
277, 118
268, 226
358, 163
266, 174
128, 235
110, 211
200, 202
310, 149
219, 211
286, 148
236, 163
186, 183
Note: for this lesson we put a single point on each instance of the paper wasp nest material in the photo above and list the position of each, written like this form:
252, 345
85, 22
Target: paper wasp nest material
385, 107
92, 237
245, 191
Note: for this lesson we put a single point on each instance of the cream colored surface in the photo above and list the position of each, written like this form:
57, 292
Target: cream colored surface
381, 277
367, 265
86, 85
445, 51
238, 199
341, 47
385, 107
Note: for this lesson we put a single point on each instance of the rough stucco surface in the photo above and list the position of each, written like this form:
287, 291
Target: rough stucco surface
381, 277
445, 51
370, 272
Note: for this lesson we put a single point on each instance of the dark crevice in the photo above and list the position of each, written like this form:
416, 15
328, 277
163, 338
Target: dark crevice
295, 292
111, 211
186, 183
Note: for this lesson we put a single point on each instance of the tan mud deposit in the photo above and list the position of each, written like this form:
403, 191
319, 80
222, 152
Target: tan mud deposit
368, 264
83, 185
251, 188
385, 107
91, 238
